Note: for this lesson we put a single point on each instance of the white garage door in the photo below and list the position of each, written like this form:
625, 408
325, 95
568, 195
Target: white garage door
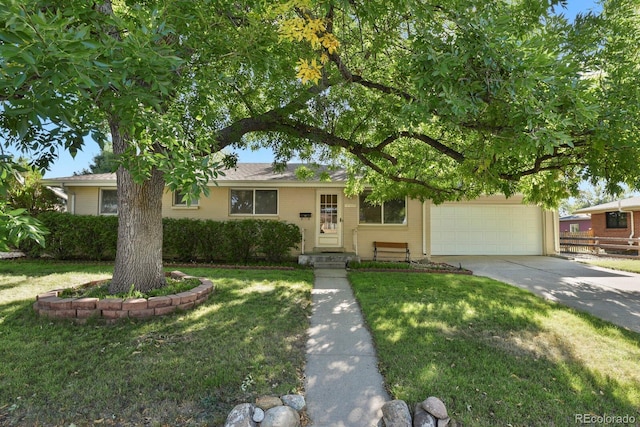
486, 230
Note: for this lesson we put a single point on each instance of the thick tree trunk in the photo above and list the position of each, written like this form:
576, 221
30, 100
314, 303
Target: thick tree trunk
139, 250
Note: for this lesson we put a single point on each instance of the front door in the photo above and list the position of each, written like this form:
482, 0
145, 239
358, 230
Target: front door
329, 220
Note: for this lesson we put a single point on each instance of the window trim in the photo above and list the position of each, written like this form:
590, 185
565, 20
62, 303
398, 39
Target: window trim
253, 201
100, 198
192, 205
616, 226
382, 223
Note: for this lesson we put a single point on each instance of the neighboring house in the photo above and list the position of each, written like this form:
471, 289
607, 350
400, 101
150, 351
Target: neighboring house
332, 222
615, 219
575, 223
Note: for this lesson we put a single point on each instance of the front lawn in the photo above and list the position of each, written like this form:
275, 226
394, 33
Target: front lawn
632, 265
185, 369
496, 354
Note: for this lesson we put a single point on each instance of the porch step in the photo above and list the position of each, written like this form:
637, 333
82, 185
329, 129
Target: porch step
327, 260
330, 265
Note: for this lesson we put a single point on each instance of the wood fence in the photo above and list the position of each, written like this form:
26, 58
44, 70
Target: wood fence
586, 242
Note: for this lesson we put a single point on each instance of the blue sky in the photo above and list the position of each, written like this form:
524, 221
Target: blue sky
66, 165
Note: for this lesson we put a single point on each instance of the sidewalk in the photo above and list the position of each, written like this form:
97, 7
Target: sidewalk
343, 385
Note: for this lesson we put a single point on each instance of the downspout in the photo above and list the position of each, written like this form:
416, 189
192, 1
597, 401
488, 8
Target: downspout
424, 228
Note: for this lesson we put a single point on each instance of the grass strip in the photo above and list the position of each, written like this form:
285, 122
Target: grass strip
631, 265
496, 354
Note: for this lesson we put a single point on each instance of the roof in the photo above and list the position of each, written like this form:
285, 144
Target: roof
577, 217
630, 204
242, 173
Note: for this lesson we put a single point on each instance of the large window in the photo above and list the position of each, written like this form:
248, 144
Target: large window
616, 219
389, 212
180, 201
108, 202
254, 202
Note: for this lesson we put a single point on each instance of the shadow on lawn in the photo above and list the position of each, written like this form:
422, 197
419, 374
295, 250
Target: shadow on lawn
184, 369
496, 354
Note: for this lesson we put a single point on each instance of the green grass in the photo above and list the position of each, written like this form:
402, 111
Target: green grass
101, 290
632, 265
185, 369
495, 354
380, 265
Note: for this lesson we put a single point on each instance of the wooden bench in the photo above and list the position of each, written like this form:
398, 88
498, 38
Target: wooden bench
392, 247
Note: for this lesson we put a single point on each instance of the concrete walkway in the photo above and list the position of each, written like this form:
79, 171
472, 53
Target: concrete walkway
343, 385
610, 295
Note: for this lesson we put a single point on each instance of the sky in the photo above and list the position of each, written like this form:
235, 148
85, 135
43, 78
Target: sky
67, 165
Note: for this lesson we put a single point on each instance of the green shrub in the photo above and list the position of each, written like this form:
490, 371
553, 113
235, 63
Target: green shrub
77, 237
277, 239
180, 239
241, 240
90, 237
210, 245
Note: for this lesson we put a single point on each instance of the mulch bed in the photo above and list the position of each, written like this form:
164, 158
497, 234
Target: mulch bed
422, 267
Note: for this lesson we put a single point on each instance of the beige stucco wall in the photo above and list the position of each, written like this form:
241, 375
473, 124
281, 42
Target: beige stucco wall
411, 233
293, 200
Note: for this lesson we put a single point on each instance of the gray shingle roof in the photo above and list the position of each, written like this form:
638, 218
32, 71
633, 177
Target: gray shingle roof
243, 172
630, 204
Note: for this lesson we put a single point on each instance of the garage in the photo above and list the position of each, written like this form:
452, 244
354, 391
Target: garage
467, 229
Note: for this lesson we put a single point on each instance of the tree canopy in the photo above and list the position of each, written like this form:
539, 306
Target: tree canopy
435, 100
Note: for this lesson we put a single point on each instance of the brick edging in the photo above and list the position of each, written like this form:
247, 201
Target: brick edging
51, 305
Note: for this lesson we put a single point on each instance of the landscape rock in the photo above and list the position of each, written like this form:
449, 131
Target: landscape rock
296, 401
443, 422
241, 416
435, 407
267, 402
422, 418
281, 416
396, 414
258, 415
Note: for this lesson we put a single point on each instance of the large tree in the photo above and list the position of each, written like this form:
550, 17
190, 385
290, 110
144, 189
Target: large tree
436, 100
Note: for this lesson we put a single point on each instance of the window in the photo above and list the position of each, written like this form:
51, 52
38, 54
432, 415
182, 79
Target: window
389, 212
574, 228
179, 200
616, 219
254, 202
108, 202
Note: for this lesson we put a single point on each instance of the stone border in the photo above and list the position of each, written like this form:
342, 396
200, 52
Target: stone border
51, 305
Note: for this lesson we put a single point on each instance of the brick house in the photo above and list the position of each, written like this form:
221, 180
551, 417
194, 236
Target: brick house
615, 219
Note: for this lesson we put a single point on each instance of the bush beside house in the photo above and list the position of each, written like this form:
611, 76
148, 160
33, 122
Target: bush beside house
90, 237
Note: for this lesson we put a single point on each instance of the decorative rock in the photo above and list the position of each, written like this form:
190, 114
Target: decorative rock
443, 422
422, 418
296, 401
281, 416
267, 402
241, 416
435, 407
258, 415
396, 414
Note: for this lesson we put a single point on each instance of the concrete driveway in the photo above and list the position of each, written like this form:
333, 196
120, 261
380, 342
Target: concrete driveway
608, 294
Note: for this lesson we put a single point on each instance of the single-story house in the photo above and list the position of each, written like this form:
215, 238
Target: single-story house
577, 223
615, 219
332, 222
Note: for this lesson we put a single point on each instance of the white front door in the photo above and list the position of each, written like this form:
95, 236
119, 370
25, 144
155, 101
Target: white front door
329, 223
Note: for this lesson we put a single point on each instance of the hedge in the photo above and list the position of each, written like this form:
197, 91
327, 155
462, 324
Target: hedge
88, 237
